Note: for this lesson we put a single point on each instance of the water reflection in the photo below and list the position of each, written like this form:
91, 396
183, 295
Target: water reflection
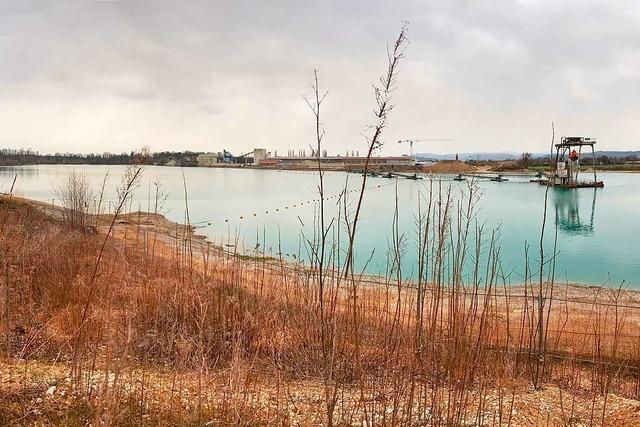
11, 171
570, 217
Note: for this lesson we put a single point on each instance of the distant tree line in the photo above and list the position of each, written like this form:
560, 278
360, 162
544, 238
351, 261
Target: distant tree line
614, 160
17, 157
527, 159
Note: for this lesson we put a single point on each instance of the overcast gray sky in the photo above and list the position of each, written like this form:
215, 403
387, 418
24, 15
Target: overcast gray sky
93, 76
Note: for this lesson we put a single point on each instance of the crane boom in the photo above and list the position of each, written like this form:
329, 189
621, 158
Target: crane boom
411, 141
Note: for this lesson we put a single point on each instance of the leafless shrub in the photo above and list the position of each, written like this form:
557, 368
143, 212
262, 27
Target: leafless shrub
76, 196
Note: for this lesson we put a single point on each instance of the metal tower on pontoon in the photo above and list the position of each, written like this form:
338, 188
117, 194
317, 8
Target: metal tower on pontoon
565, 171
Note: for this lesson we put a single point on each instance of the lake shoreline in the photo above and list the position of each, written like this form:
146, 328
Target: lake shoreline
170, 232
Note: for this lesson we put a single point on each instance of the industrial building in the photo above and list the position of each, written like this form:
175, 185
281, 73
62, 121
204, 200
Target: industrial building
336, 162
227, 158
259, 154
208, 159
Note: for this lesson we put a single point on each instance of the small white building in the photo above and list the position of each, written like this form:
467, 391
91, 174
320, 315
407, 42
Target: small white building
207, 159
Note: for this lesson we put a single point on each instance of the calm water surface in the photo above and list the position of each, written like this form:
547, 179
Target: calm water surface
598, 229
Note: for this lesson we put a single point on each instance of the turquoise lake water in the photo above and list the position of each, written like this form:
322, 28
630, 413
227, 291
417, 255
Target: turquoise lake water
598, 229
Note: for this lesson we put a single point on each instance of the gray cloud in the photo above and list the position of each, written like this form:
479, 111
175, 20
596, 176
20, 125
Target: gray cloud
202, 75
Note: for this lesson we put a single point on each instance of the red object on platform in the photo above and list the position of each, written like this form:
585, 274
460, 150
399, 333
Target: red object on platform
573, 156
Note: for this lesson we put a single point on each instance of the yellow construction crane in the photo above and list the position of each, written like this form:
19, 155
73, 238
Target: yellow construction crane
411, 141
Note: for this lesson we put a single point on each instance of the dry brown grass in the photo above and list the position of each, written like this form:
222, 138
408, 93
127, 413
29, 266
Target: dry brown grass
179, 332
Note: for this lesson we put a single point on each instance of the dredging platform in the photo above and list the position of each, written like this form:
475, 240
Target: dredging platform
565, 170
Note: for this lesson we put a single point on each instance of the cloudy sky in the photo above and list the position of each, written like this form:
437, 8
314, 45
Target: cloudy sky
94, 76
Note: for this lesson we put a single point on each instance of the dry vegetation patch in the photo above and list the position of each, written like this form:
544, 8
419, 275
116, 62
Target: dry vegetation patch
182, 332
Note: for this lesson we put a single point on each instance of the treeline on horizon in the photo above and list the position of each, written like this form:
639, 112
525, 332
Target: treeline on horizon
18, 157
528, 160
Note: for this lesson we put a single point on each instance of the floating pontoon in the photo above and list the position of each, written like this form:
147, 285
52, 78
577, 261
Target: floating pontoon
566, 168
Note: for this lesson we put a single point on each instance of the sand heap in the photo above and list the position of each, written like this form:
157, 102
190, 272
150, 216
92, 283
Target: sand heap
451, 166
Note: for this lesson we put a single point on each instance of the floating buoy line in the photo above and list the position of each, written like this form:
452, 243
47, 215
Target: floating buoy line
283, 208
206, 223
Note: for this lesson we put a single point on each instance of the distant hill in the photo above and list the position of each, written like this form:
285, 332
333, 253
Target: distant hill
618, 153
512, 155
